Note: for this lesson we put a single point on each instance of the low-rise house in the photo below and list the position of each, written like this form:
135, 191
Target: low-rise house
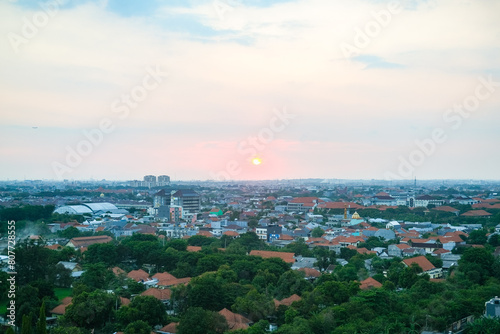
287, 257
80, 242
369, 283
426, 265
287, 301
235, 321
171, 328
162, 295
61, 308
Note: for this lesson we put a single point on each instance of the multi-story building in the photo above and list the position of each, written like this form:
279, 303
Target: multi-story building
163, 180
188, 199
161, 198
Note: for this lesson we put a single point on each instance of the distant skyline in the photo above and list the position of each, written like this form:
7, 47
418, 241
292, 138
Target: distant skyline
197, 90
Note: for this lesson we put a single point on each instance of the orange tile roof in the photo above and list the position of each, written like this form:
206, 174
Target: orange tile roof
422, 261
87, 241
235, 321
231, 233
138, 275
310, 272
163, 276
305, 200
61, 309
340, 205
476, 213
370, 283
118, 271
287, 301
160, 294
54, 247
205, 234
193, 248
286, 237
287, 257
170, 328
124, 301
445, 208
174, 282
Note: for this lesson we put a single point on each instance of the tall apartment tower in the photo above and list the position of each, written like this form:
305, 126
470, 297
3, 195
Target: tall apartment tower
163, 180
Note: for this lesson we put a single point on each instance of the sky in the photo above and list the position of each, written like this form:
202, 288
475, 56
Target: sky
197, 90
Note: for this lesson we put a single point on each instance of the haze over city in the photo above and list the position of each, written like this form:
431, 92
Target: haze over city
199, 89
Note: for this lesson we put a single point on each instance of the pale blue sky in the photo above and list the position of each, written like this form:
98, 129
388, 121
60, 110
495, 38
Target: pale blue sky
361, 99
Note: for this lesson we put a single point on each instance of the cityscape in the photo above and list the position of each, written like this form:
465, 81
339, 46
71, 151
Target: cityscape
179, 250
249, 167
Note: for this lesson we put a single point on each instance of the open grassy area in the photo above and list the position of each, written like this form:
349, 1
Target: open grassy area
62, 293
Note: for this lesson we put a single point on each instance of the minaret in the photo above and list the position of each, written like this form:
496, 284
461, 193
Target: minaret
345, 211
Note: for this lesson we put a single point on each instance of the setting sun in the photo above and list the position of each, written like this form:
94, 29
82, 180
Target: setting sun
256, 161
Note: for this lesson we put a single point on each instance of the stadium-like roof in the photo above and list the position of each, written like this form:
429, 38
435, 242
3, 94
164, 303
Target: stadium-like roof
91, 208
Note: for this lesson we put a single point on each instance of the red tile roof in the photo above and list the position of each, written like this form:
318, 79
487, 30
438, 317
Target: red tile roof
476, 213
310, 272
306, 200
138, 275
370, 283
235, 321
87, 241
61, 309
287, 301
422, 261
170, 328
287, 257
193, 248
118, 271
340, 205
160, 294
174, 282
446, 208
124, 301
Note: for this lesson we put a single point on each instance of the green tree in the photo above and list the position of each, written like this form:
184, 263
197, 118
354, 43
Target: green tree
41, 326
291, 282
478, 237
96, 275
484, 325
317, 232
27, 325
90, 310
476, 264
138, 327
256, 305
105, 253
196, 320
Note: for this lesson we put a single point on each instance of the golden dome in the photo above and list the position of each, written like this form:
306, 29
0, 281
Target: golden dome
356, 215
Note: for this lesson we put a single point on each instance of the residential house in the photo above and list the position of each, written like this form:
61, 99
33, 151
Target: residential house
80, 242
287, 257
235, 321
426, 265
369, 283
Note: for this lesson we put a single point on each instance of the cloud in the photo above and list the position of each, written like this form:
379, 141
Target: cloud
227, 74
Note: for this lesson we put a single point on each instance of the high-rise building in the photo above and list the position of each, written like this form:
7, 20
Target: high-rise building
163, 180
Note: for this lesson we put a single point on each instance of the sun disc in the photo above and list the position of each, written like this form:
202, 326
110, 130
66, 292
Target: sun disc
256, 161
